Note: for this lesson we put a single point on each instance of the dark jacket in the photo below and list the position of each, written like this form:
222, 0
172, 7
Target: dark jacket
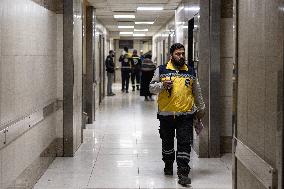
109, 64
125, 62
136, 63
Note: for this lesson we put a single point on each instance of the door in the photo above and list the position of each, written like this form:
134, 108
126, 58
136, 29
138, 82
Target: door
257, 97
100, 69
103, 68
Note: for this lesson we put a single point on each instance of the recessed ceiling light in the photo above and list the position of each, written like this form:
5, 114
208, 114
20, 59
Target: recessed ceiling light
124, 16
150, 8
194, 8
125, 33
125, 26
144, 22
139, 34
141, 30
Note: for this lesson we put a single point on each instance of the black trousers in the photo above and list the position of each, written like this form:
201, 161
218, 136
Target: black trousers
181, 127
125, 75
135, 75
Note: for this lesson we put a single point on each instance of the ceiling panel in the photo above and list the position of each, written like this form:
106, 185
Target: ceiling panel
105, 9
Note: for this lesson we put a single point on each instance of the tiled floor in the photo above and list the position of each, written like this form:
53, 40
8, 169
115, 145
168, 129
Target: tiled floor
122, 149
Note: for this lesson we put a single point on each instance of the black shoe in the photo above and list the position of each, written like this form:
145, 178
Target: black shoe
127, 91
122, 90
133, 88
137, 87
168, 170
184, 180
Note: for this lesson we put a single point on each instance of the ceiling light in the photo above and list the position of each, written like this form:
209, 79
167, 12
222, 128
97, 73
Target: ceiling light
124, 16
150, 8
139, 34
125, 26
145, 30
144, 22
125, 33
194, 8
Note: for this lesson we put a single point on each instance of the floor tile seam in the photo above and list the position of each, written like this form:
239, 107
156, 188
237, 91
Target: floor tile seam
89, 180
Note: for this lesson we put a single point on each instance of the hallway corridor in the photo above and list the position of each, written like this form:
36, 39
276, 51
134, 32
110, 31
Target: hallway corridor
123, 150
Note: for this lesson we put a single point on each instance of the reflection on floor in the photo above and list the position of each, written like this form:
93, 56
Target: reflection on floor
122, 149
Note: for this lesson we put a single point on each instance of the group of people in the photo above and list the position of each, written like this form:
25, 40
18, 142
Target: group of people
179, 102
132, 66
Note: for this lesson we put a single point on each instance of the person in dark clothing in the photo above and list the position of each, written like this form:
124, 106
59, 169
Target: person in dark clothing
147, 72
110, 72
125, 60
135, 70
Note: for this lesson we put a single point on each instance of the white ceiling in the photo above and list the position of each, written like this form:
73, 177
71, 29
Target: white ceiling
105, 9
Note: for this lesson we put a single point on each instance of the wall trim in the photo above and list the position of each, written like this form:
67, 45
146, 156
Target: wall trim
258, 167
12, 130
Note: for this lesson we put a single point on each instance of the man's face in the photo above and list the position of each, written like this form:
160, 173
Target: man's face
178, 57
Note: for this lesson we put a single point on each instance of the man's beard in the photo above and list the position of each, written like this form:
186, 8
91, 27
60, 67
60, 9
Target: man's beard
179, 63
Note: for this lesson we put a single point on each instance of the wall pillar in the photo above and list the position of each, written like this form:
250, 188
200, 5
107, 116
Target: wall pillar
72, 76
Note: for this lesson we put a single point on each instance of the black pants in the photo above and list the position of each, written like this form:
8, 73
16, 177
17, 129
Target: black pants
125, 75
135, 75
182, 128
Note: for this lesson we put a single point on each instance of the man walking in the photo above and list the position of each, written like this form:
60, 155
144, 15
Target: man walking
135, 70
179, 100
110, 72
125, 60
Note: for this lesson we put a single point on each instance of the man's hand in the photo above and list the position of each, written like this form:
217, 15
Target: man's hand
168, 84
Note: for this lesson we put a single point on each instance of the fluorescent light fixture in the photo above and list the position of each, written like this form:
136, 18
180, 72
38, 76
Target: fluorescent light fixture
125, 33
194, 8
124, 16
185, 27
139, 34
180, 23
144, 22
125, 26
142, 30
150, 8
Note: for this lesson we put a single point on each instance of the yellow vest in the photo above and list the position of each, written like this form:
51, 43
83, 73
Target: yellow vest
180, 99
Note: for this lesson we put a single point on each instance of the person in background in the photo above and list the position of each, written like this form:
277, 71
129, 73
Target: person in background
141, 55
179, 101
110, 72
147, 72
125, 60
135, 70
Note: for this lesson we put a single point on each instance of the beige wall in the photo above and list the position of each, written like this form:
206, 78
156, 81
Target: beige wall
28, 80
59, 128
260, 84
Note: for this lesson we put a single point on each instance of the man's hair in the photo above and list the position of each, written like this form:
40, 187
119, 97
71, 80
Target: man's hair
175, 47
111, 51
134, 51
125, 49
